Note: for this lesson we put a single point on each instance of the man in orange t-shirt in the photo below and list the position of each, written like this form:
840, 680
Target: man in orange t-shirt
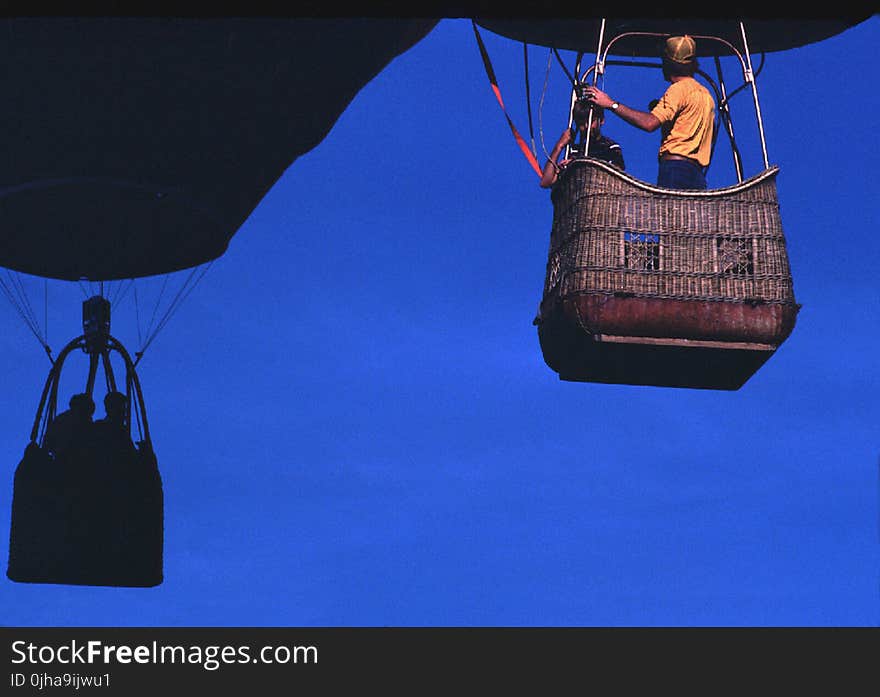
685, 114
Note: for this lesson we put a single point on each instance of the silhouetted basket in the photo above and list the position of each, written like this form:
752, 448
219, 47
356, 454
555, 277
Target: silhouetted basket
86, 523
91, 516
653, 286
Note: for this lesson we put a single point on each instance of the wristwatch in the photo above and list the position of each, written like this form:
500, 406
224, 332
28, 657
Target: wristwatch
614, 106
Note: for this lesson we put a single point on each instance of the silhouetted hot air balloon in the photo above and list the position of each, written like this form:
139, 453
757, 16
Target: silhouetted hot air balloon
652, 286
135, 147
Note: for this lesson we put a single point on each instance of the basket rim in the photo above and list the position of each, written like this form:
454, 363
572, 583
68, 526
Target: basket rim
752, 181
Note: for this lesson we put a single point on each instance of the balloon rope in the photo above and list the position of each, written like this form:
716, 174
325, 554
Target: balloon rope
541, 104
149, 327
529, 98
25, 300
137, 316
188, 286
565, 70
490, 73
15, 294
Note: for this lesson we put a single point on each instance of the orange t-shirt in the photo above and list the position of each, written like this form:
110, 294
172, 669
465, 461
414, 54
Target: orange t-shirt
686, 112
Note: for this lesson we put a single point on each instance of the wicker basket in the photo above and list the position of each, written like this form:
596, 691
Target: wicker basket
685, 275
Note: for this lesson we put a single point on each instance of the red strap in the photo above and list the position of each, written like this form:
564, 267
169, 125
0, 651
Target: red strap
487, 64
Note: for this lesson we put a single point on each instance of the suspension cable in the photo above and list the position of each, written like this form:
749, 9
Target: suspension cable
114, 291
528, 97
124, 288
188, 286
746, 84
562, 64
82, 289
137, 412
15, 293
541, 104
137, 317
46, 309
149, 327
21, 293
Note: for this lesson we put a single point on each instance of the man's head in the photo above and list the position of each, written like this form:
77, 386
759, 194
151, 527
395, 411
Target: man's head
581, 115
82, 405
114, 405
679, 56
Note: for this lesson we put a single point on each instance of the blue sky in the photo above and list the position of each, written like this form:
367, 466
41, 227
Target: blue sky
355, 425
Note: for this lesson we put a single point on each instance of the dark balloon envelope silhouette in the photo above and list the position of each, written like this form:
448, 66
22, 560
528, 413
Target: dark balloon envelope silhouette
139, 145
136, 147
647, 285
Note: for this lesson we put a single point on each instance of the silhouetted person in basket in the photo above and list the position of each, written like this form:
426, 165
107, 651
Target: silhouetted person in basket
110, 434
69, 429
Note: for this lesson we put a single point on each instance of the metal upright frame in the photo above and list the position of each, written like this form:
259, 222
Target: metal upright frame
598, 70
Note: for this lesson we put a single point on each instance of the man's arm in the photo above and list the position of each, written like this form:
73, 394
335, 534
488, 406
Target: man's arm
640, 119
551, 169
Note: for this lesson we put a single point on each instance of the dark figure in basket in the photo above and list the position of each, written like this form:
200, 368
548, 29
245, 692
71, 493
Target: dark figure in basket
70, 428
600, 147
111, 434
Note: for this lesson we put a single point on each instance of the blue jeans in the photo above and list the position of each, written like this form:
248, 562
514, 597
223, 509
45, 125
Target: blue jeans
680, 174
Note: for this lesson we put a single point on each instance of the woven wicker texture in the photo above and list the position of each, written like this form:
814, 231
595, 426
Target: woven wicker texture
613, 233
